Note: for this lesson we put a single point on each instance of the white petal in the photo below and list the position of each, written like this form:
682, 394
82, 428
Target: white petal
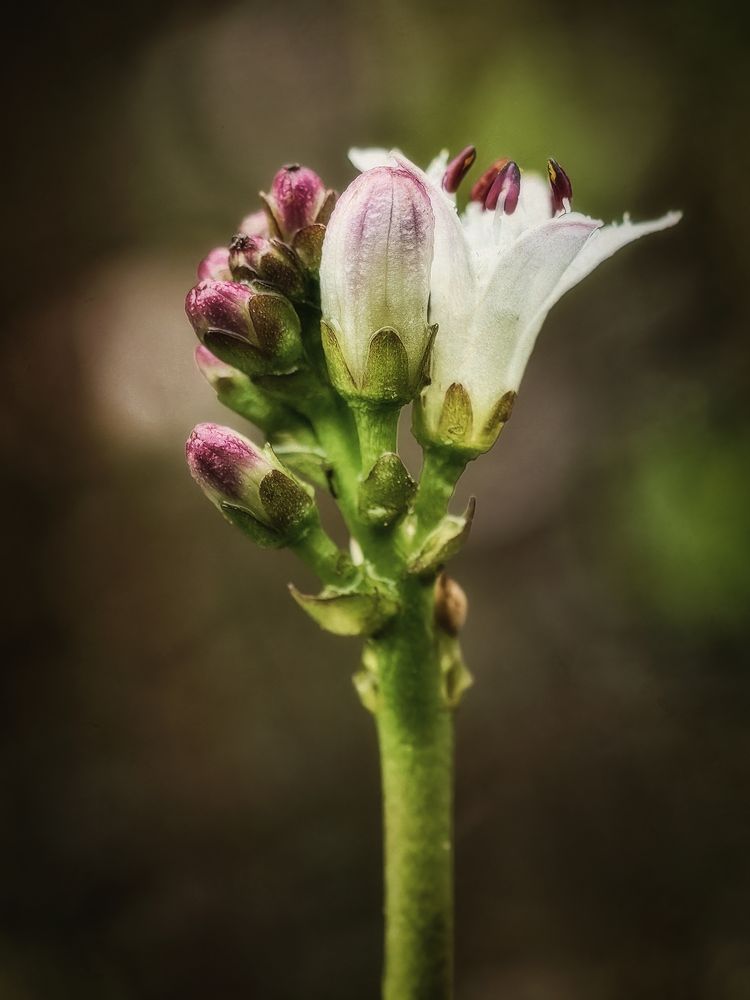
608, 241
437, 167
366, 159
518, 294
535, 200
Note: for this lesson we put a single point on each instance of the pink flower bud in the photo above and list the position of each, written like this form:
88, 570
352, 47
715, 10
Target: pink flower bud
250, 486
220, 305
296, 199
215, 265
270, 260
254, 224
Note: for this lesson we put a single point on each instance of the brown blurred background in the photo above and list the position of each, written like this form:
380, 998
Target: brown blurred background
190, 787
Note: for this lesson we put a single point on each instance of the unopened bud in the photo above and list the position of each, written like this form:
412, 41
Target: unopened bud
451, 605
250, 327
562, 189
270, 260
298, 198
215, 265
249, 485
375, 286
254, 224
458, 168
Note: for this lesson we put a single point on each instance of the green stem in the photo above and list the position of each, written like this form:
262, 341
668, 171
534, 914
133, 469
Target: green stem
325, 558
416, 751
335, 430
377, 428
441, 470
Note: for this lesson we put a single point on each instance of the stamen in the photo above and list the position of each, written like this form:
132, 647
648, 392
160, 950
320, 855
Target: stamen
481, 189
562, 189
458, 168
507, 185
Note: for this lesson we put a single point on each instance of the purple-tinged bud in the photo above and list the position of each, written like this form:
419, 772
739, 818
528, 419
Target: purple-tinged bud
270, 260
250, 327
298, 198
562, 189
481, 189
215, 265
254, 224
220, 305
506, 186
375, 286
458, 168
249, 485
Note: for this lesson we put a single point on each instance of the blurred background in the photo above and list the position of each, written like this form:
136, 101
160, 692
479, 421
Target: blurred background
190, 786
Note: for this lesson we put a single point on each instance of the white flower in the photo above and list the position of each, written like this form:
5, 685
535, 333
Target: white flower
375, 285
495, 276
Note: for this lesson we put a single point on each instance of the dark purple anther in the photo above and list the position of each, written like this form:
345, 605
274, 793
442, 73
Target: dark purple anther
481, 189
220, 461
297, 195
562, 189
507, 185
458, 168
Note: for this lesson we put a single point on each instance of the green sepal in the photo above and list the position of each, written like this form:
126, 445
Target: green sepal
347, 613
386, 493
304, 457
308, 245
288, 504
261, 534
456, 417
341, 376
498, 418
444, 542
386, 376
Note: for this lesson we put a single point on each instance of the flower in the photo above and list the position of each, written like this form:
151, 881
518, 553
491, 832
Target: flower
250, 327
270, 260
497, 270
248, 485
375, 285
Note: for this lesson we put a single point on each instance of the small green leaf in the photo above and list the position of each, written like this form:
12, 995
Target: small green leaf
386, 493
353, 613
444, 542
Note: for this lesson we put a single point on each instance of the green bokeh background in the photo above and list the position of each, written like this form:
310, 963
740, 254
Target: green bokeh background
191, 788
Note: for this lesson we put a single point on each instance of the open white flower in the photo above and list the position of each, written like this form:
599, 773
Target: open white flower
497, 270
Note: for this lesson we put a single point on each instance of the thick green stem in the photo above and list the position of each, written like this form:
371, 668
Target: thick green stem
377, 428
441, 471
416, 752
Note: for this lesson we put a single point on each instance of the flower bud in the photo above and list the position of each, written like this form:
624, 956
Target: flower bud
298, 198
215, 265
270, 260
249, 485
250, 327
254, 224
237, 392
375, 286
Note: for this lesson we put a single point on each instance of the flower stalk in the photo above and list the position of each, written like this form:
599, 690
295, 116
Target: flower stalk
318, 324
